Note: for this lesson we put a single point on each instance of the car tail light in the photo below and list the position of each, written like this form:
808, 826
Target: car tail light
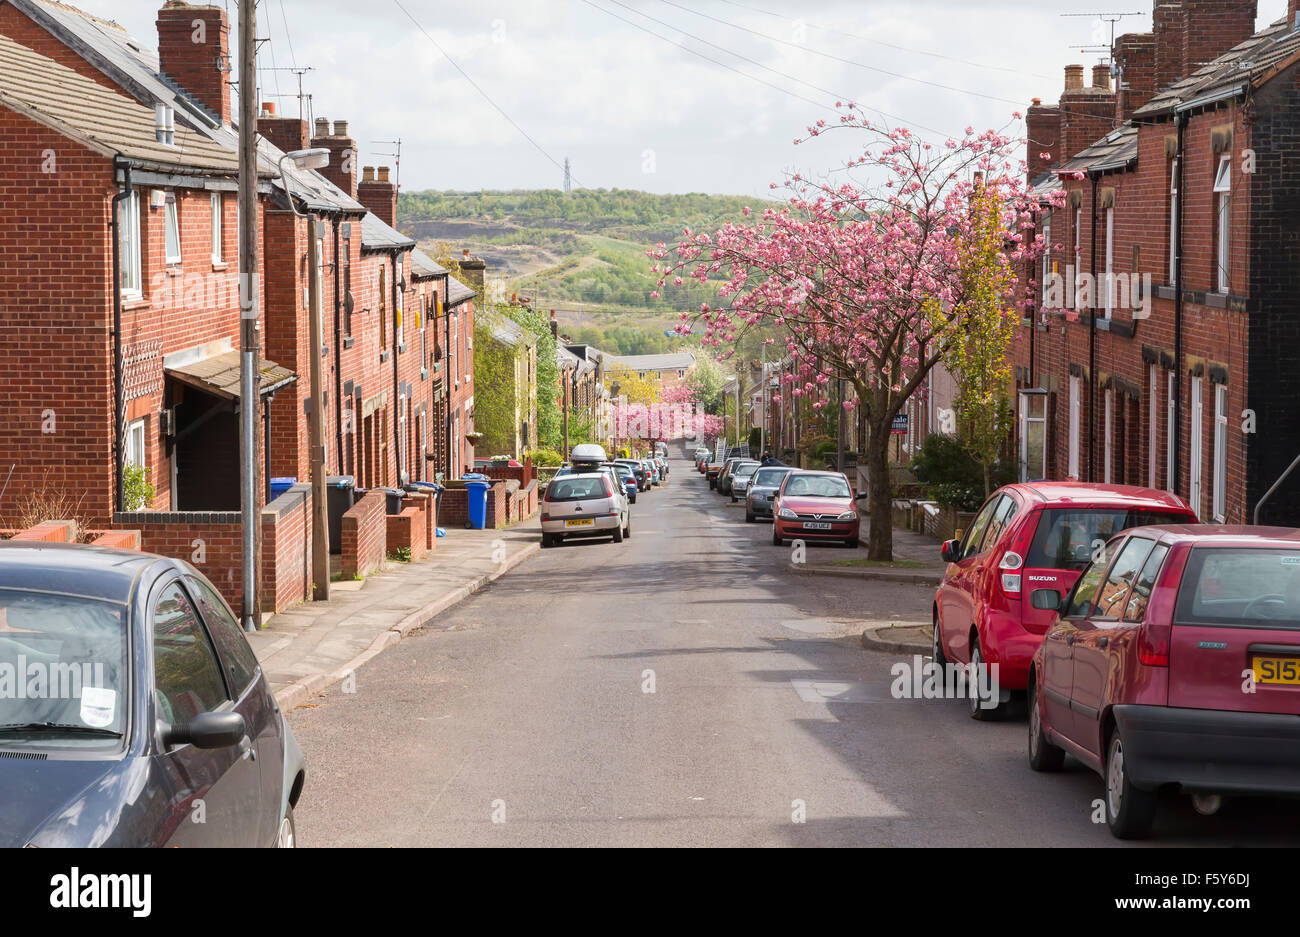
1009, 570
1153, 644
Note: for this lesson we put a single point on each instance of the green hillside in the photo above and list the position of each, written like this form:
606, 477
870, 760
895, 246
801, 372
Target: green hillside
582, 254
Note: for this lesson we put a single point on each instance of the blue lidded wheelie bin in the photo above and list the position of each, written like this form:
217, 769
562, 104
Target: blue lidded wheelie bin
477, 490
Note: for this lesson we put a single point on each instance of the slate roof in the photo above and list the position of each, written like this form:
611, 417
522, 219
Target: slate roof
378, 236
673, 361
1253, 61
424, 266
504, 329
458, 292
99, 118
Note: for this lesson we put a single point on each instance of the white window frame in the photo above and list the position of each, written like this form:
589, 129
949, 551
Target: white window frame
1171, 455
1222, 220
1153, 418
131, 272
455, 340
1047, 254
218, 228
1173, 220
1074, 427
1109, 446
399, 307
134, 444
1029, 472
1110, 256
1219, 508
1196, 451
1078, 240
171, 225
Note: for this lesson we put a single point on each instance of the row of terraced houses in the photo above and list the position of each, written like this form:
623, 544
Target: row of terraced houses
1175, 361
119, 293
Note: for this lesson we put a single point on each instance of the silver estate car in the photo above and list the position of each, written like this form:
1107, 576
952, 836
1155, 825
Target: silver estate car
590, 504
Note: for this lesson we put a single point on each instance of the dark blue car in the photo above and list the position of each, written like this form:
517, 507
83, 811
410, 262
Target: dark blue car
132, 710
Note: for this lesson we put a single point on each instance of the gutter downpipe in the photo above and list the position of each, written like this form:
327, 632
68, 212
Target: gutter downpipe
446, 371
398, 404
338, 346
119, 402
1092, 334
1174, 483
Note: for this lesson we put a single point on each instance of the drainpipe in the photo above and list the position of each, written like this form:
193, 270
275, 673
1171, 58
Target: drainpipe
397, 426
1092, 333
1174, 485
266, 442
119, 402
446, 372
338, 348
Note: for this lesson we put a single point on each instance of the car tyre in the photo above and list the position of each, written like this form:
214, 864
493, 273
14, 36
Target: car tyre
618, 534
286, 837
1043, 755
627, 528
547, 542
977, 710
852, 543
1129, 811
777, 539
749, 517
936, 645
713, 484
733, 497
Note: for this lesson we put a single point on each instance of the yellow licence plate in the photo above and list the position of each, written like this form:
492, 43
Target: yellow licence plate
582, 522
1276, 669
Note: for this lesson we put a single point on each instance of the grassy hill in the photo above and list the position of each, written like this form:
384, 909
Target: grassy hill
582, 254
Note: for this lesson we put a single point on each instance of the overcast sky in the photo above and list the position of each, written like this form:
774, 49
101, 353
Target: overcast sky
634, 111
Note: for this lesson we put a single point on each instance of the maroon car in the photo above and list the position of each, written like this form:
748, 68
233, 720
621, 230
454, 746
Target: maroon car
815, 506
1175, 664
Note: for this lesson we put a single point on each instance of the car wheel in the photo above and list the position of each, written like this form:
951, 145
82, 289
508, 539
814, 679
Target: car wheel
777, 539
287, 836
977, 700
1043, 755
852, 543
627, 528
546, 541
713, 484
1129, 811
749, 517
618, 534
936, 645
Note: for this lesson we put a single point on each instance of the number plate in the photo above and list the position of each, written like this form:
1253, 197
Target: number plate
1284, 670
816, 525
582, 522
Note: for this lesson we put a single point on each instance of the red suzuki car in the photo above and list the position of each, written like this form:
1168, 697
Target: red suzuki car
814, 506
1175, 663
1037, 535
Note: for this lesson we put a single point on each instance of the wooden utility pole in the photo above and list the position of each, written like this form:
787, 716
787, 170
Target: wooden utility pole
320, 542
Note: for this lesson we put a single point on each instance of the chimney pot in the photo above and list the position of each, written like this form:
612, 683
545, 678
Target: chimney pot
268, 108
1037, 102
198, 67
383, 173
340, 128
368, 174
1073, 77
322, 127
1101, 77
465, 253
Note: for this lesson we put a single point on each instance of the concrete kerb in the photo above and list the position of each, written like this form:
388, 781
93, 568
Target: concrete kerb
304, 688
921, 577
882, 638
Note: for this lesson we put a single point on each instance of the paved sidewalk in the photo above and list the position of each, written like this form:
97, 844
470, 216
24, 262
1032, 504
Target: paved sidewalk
909, 548
311, 646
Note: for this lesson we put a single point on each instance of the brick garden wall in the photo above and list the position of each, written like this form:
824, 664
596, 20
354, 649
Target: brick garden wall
365, 540
210, 541
286, 549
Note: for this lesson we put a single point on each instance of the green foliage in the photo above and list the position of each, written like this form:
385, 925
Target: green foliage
136, 490
546, 457
952, 475
550, 419
706, 381
959, 497
400, 555
494, 411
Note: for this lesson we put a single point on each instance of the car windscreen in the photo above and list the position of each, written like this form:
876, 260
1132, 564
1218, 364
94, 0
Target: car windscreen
1067, 538
769, 477
816, 486
576, 488
1247, 587
745, 469
63, 672
624, 471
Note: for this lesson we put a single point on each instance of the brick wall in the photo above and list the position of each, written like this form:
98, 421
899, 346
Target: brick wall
365, 535
428, 506
408, 530
454, 510
286, 550
210, 541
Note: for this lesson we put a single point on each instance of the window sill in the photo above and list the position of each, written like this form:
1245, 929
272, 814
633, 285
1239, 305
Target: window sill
349, 342
219, 266
134, 302
174, 268
401, 348
383, 356
424, 373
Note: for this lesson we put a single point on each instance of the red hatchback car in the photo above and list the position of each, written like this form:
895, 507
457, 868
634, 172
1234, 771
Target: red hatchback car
815, 506
1175, 663
1028, 536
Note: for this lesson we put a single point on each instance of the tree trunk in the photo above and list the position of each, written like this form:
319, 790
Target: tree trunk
880, 539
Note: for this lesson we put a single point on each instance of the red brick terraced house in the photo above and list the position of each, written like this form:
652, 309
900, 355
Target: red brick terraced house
1182, 194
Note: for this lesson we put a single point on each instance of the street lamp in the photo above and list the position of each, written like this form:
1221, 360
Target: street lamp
315, 158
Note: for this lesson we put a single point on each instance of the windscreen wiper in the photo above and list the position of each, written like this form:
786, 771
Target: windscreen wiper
58, 727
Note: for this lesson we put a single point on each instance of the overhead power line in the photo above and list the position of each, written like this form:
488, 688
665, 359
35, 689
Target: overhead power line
483, 94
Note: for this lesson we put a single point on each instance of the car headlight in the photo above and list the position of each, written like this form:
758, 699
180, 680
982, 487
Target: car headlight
848, 515
787, 513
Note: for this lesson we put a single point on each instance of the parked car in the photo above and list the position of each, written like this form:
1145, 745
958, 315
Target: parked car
652, 469
738, 480
728, 467
1028, 536
585, 505
166, 707
711, 472
639, 470
1174, 663
762, 490
815, 506
663, 465
629, 479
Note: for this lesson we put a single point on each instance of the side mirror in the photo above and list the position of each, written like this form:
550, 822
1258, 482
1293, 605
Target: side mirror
1049, 600
948, 550
958, 534
208, 730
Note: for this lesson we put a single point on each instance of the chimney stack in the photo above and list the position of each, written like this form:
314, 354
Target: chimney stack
286, 133
472, 270
379, 195
1087, 114
342, 168
1192, 33
1135, 54
194, 52
1101, 77
1042, 138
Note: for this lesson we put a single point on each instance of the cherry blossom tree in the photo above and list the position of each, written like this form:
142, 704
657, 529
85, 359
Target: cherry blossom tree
868, 274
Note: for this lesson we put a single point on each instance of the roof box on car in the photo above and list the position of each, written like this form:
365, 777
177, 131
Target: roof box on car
588, 453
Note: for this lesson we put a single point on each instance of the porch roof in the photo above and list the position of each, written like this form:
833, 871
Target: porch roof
219, 375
